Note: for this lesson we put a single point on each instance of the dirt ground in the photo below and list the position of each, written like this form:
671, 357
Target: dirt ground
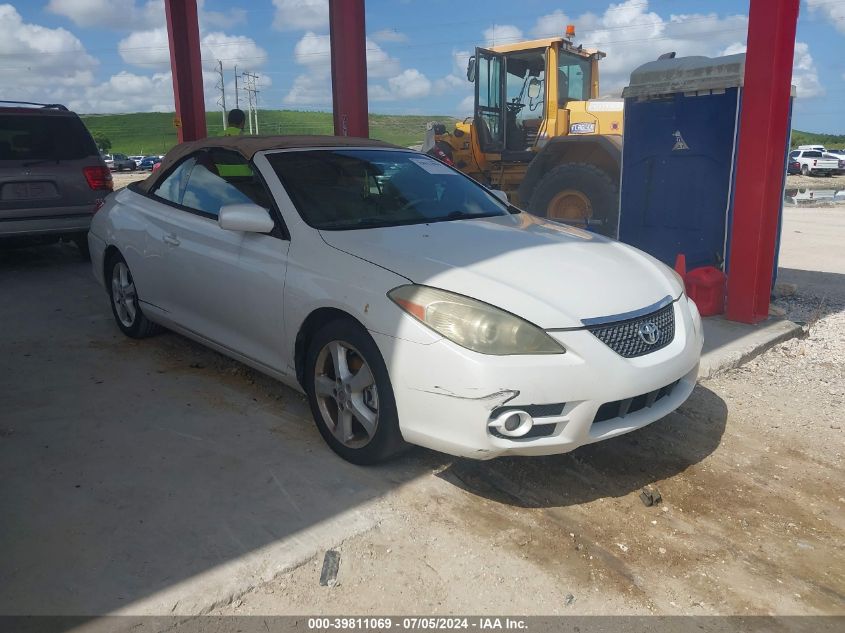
123, 178
814, 182
752, 519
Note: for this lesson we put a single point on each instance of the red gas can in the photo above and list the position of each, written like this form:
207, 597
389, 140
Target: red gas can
706, 286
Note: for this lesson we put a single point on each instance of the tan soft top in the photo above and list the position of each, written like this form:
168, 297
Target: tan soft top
248, 146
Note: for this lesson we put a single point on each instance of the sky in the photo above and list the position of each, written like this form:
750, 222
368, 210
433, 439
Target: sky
102, 56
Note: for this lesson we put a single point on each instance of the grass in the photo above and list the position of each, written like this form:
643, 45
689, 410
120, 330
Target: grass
830, 141
153, 132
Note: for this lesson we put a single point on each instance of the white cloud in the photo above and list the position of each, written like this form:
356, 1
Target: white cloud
136, 15
389, 35
502, 34
231, 49
455, 81
313, 51
465, 107
632, 35
805, 76
309, 90
551, 25
127, 92
39, 63
150, 49
292, 15
120, 14
409, 84
833, 12
804, 73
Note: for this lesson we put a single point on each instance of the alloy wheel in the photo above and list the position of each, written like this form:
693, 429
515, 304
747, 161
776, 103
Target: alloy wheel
124, 295
346, 393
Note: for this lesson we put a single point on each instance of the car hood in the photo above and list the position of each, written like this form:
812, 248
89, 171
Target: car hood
548, 273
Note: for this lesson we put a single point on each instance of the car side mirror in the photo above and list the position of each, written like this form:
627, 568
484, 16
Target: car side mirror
501, 195
533, 88
248, 218
471, 69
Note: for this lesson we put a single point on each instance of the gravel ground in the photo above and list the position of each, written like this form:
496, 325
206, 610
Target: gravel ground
123, 178
815, 182
751, 522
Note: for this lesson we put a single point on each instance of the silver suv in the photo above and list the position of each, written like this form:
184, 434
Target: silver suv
52, 177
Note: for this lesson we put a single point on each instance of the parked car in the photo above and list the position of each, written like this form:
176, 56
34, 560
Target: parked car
108, 159
813, 162
840, 161
137, 159
793, 166
409, 302
122, 161
147, 162
52, 177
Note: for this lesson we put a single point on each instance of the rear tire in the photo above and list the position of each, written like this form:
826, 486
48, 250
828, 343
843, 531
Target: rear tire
579, 194
354, 407
805, 171
125, 305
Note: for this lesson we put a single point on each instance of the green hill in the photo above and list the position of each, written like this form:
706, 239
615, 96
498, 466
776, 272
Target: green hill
831, 141
153, 132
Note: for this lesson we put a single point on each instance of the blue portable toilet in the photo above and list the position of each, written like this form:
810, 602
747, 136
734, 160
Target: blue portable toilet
681, 125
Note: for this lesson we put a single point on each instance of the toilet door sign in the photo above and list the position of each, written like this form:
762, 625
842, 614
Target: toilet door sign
680, 143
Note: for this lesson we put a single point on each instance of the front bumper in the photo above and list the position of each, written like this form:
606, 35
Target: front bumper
97, 249
445, 394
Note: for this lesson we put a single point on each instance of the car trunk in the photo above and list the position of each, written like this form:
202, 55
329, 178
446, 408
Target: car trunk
42, 158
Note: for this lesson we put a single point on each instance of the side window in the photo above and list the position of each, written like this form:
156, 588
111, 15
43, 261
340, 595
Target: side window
173, 187
222, 177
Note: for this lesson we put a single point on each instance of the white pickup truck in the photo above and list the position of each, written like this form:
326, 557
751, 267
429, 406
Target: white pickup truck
813, 162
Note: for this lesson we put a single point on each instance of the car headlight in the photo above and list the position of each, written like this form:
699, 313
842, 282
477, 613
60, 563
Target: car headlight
473, 324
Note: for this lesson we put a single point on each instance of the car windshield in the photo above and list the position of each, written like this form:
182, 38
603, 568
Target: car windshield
358, 188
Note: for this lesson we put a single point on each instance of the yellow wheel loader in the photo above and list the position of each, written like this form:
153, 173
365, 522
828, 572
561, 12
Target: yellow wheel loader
540, 133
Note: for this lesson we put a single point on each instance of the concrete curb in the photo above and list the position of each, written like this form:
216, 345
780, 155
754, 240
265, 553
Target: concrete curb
728, 345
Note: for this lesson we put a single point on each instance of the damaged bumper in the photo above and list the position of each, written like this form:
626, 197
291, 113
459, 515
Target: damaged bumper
454, 400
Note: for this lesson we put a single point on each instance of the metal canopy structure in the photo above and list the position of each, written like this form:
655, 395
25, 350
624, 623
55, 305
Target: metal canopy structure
763, 125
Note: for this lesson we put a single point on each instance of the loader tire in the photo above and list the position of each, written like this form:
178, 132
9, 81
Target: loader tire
579, 194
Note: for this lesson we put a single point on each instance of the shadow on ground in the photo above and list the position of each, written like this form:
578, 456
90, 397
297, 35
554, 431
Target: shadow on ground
134, 471
613, 468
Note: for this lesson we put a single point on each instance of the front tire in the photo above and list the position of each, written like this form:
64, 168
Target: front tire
350, 394
125, 305
578, 194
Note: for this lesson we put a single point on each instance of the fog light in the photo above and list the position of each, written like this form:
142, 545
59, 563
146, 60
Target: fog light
513, 423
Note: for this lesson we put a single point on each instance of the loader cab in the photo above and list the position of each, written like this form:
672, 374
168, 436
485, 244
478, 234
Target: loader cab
518, 88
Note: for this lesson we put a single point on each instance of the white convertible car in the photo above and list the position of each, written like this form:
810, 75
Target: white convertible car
410, 304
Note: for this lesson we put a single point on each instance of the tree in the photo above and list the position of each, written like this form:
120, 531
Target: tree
102, 141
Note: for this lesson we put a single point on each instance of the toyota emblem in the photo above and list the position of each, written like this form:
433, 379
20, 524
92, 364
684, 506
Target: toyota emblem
649, 332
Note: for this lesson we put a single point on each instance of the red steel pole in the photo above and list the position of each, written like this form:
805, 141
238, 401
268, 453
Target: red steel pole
183, 34
349, 67
759, 174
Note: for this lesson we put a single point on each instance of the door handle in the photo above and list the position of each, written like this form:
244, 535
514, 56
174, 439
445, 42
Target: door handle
171, 239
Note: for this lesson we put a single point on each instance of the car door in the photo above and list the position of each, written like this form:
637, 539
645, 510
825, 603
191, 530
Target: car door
226, 286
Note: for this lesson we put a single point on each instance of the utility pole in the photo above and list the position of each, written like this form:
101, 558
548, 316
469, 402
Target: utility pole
237, 105
251, 88
221, 85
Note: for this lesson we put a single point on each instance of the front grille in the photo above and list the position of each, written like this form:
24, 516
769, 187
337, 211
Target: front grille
621, 408
623, 337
